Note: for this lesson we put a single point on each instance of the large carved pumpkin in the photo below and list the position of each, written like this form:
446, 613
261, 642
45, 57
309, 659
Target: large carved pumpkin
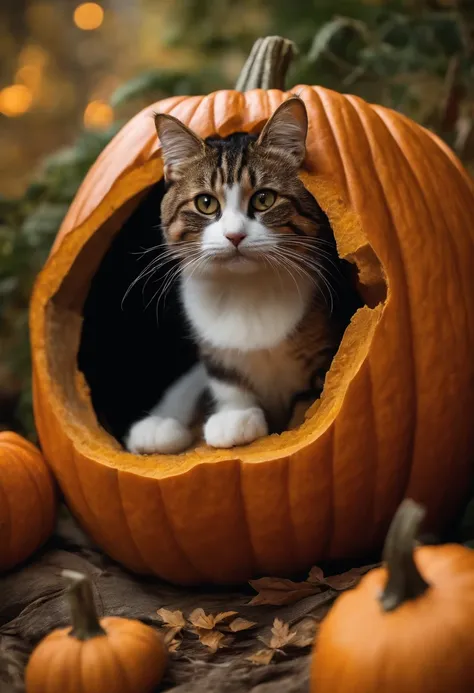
396, 413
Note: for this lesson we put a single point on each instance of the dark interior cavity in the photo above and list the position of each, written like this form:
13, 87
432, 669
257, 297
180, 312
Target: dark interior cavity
132, 346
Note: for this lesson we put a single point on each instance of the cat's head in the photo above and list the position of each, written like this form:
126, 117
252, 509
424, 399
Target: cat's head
236, 204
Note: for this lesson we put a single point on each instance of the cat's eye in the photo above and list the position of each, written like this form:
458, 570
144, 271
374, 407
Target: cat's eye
206, 204
263, 200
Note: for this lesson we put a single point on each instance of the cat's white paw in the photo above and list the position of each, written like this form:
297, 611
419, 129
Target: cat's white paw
158, 435
236, 427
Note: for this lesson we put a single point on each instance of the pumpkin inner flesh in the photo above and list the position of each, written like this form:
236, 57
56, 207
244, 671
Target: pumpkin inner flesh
102, 363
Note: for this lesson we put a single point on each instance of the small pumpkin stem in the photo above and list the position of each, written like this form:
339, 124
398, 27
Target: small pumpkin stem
267, 64
84, 619
404, 579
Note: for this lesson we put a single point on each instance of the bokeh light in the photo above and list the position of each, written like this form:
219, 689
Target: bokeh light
15, 100
98, 115
88, 16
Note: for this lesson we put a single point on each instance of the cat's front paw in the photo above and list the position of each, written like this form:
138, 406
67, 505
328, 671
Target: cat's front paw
156, 434
236, 427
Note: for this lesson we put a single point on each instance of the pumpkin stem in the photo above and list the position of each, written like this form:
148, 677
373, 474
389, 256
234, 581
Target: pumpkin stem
267, 64
85, 622
404, 579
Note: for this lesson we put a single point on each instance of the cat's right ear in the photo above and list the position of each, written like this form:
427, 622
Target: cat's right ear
179, 144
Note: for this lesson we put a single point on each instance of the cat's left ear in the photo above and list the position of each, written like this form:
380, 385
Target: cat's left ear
180, 145
287, 129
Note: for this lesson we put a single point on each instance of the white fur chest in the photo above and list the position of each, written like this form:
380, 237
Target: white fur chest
246, 314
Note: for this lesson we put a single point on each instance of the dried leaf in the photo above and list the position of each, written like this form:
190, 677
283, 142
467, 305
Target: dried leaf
170, 634
346, 581
172, 618
224, 616
281, 635
241, 624
316, 575
305, 633
261, 657
200, 619
174, 645
213, 639
278, 591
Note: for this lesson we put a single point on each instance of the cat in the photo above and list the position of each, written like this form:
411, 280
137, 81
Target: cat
255, 252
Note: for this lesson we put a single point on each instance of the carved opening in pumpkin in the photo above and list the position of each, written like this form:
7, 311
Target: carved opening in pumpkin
133, 346
75, 353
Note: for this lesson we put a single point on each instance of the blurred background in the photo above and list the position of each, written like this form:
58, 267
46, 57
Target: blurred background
71, 73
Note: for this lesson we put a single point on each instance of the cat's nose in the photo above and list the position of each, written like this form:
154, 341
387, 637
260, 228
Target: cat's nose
236, 237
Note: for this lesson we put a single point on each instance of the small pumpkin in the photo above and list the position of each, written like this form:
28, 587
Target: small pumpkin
27, 499
407, 626
113, 655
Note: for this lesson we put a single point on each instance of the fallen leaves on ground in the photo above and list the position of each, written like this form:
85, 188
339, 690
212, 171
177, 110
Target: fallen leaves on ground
200, 619
239, 624
261, 657
174, 622
282, 638
279, 591
212, 629
281, 635
213, 639
172, 618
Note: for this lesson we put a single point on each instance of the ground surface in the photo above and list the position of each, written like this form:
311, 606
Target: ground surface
33, 602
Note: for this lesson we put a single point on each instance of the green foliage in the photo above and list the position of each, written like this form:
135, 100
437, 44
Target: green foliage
27, 230
417, 57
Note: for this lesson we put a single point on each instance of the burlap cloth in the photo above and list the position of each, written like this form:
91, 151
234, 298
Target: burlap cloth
32, 603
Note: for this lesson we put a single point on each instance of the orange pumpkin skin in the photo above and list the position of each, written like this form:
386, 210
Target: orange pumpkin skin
424, 646
395, 416
27, 499
130, 657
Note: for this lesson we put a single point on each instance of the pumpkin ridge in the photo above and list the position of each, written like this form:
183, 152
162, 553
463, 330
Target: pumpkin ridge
325, 111
404, 279
244, 514
173, 534
331, 533
50, 673
375, 458
123, 513
291, 523
95, 516
125, 533
455, 254
94, 523
119, 665
450, 239
193, 114
8, 513
84, 504
34, 482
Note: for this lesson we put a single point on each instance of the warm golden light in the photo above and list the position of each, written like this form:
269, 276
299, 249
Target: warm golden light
98, 115
88, 16
15, 100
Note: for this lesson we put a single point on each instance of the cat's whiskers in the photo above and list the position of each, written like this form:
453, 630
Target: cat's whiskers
292, 262
157, 263
313, 258
148, 271
321, 275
